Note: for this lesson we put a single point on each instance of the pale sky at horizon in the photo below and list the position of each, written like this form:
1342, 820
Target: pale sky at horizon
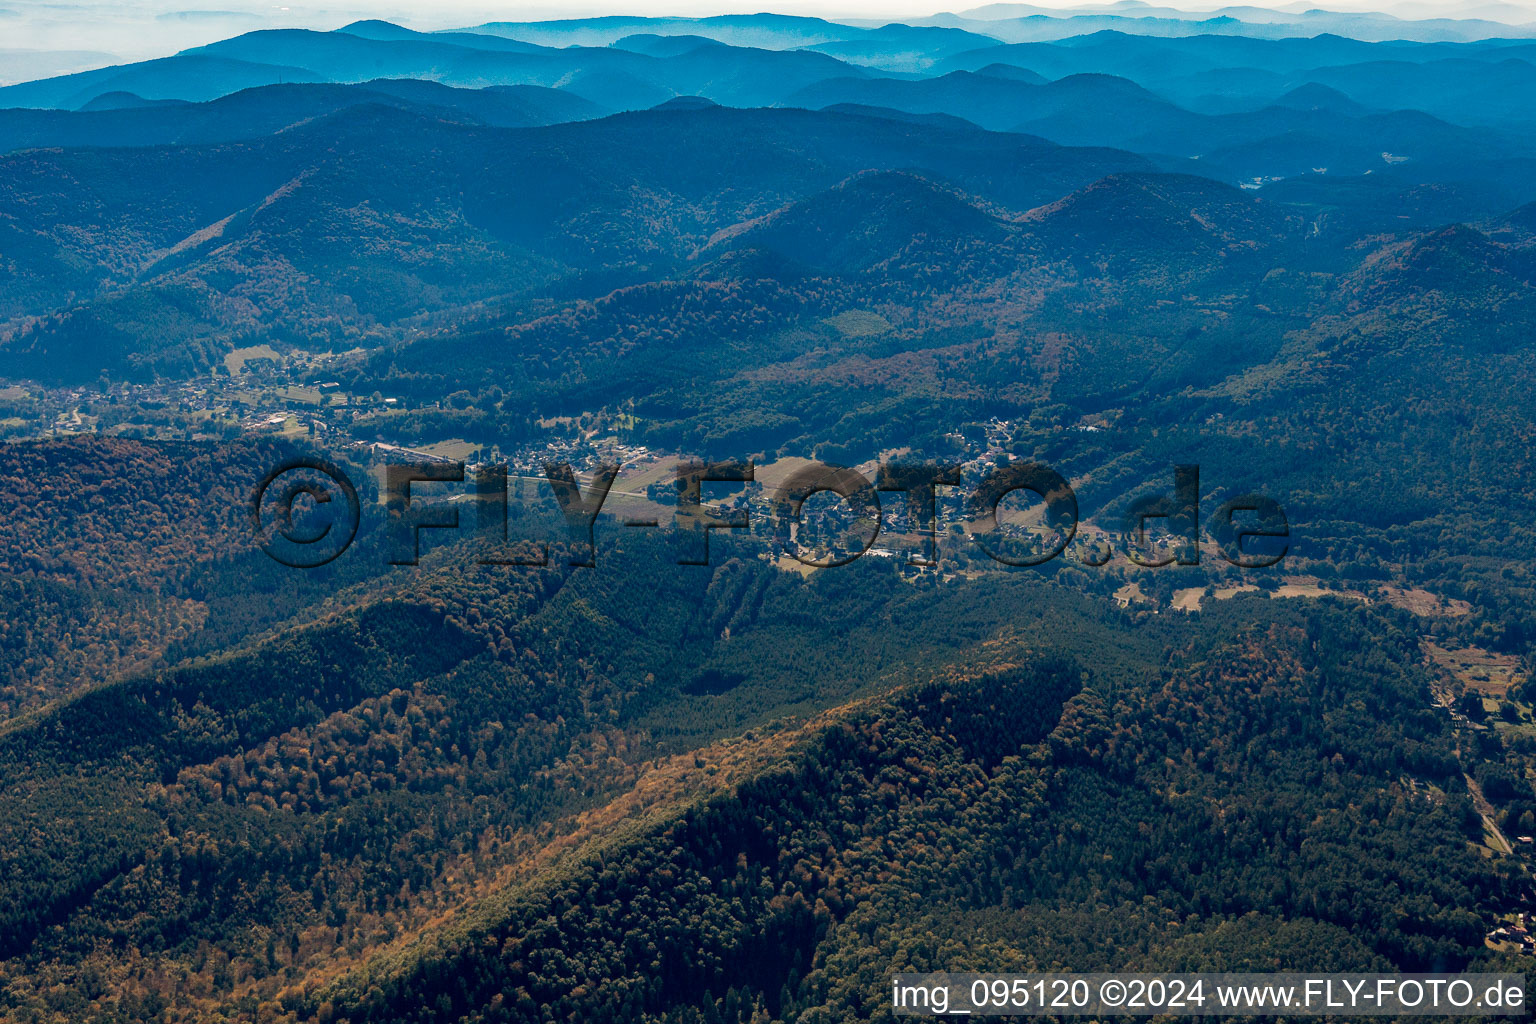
138, 29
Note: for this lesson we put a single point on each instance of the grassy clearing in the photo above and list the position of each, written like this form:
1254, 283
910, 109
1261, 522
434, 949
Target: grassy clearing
1422, 602
235, 361
1478, 670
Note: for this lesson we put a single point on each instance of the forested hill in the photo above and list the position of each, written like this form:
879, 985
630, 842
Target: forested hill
1296, 250
657, 792
978, 820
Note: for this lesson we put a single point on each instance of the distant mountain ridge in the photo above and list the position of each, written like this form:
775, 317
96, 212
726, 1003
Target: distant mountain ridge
491, 211
122, 119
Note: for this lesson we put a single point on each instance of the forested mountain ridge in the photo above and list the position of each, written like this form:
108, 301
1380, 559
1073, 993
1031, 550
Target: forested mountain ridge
263, 701
622, 785
168, 286
926, 816
261, 788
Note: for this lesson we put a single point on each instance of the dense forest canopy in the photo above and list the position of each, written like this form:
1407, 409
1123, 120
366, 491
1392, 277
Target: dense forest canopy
834, 289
